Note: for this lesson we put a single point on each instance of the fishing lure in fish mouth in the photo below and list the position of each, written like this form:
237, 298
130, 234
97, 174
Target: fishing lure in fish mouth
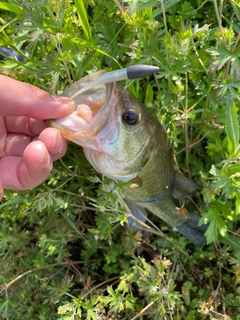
123, 141
131, 72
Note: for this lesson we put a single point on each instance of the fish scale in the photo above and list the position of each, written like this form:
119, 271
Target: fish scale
157, 178
125, 142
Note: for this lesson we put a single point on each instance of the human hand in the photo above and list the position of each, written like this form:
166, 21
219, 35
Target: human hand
27, 146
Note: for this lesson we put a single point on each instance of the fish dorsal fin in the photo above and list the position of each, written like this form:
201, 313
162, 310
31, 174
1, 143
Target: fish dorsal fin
182, 186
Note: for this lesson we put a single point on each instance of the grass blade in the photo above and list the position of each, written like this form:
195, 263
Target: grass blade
233, 242
11, 7
84, 19
232, 127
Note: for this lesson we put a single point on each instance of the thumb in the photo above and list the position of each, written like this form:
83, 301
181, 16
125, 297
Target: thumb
23, 99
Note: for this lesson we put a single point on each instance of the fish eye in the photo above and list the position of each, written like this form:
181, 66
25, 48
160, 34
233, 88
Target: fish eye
130, 117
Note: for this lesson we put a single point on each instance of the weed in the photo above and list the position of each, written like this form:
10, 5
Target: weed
65, 251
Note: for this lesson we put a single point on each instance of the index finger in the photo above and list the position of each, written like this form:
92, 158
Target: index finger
22, 99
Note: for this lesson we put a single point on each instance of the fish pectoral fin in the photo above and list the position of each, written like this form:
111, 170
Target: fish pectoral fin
138, 214
191, 230
183, 186
136, 183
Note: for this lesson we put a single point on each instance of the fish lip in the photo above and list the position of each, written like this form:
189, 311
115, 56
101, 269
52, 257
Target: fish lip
100, 119
96, 124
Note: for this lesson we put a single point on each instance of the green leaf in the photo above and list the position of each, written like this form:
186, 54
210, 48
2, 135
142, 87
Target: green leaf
232, 242
232, 127
17, 200
11, 7
91, 315
149, 94
88, 44
84, 19
72, 224
216, 223
237, 203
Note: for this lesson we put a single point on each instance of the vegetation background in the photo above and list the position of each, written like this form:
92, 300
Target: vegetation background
65, 252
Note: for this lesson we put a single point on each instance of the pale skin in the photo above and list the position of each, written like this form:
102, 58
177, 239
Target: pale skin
27, 146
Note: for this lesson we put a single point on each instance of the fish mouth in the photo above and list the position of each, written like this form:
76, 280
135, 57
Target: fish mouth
92, 111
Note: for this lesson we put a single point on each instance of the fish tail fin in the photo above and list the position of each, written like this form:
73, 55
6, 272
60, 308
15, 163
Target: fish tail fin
191, 230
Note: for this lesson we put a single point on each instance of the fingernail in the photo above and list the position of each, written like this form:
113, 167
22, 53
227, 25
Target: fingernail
45, 161
58, 142
66, 102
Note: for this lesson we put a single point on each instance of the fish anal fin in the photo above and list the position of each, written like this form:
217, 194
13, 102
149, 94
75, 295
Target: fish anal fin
138, 215
182, 186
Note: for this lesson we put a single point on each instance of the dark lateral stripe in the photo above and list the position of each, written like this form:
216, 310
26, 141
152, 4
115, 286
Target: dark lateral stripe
149, 201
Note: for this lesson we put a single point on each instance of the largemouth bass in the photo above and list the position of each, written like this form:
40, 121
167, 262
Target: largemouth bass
124, 141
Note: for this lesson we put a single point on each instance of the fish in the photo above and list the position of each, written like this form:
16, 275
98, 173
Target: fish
125, 142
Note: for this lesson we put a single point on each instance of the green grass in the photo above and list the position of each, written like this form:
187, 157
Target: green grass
64, 250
